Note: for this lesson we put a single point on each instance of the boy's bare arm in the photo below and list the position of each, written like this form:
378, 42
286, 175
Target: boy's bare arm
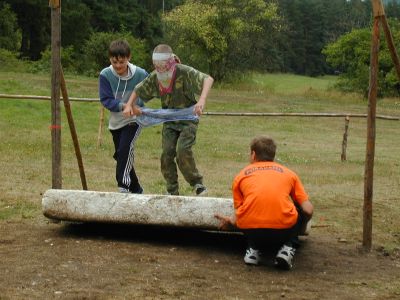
226, 223
131, 108
307, 209
207, 84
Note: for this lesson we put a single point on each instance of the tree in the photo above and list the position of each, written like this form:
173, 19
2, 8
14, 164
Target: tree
33, 20
219, 36
9, 33
130, 15
81, 18
350, 55
392, 9
75, 24
311, 24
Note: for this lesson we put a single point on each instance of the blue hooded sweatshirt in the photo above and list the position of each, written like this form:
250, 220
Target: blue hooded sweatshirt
115, 90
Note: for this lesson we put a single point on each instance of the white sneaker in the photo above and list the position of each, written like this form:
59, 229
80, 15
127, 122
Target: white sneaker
252, 256
284, 258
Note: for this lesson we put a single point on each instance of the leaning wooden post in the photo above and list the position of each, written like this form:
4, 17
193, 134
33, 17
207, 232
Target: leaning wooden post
344, 142
371, 125
72, 129
392, 48
101, 122
55, 92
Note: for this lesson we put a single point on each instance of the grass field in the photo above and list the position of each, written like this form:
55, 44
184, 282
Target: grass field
309, 145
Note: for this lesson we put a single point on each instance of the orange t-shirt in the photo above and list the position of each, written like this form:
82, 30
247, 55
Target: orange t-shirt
263, 195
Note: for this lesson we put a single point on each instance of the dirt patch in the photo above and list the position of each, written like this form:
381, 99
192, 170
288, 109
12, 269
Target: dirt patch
42, 260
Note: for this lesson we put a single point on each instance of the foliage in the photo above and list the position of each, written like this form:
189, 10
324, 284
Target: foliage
33, 21
96, 51
68, 62
80, 19
136, 16
219, 36
9, 33
190, 32
311, 24
9, 62
75, 27
350, 56
95, 55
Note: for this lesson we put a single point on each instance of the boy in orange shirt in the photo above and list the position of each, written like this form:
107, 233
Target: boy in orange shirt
271, 205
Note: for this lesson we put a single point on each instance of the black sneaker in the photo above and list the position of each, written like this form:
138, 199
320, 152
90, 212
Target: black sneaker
201, 190
138, 191
173, 193
296, 243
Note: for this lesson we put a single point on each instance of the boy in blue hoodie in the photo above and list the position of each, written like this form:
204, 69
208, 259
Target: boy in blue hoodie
116, 84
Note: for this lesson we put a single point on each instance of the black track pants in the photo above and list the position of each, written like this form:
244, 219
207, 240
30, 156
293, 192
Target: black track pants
124, 143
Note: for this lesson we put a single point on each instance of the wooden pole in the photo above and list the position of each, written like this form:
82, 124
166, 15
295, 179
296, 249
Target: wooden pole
55, 93
208, 113
377, 8
371, 125
34, 97
392, 48
344, 142
72, 129
100, 133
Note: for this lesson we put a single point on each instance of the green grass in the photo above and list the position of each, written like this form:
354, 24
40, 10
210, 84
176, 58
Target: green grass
284, 84
310, 146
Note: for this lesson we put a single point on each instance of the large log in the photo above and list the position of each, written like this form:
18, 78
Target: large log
162, 210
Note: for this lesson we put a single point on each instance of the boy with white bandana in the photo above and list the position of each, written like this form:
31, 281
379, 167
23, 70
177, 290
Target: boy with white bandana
176, 85
116, 84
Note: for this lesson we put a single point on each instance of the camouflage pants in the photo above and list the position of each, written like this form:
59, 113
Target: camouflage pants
177, 141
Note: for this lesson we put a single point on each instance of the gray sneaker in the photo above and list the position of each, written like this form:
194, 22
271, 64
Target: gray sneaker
284, 258
127, 191
123, 190
252, 256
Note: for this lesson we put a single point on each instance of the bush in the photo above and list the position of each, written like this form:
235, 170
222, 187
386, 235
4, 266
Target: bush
350, 55
95, 54
68, 61
9, 62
